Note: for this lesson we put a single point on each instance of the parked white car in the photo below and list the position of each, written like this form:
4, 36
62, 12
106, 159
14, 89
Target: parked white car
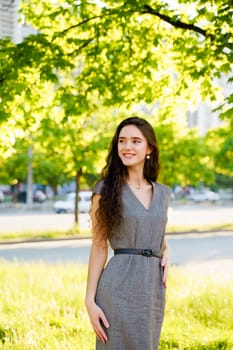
68, 205
39, 196
205, 195
84, 203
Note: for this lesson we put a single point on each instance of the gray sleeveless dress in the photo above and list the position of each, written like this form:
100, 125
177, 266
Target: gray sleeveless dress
130, 290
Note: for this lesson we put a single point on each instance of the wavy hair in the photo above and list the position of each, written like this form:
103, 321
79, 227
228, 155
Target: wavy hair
109, 213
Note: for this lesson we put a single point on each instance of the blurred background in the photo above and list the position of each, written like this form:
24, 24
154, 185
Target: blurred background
70, 71
66, 81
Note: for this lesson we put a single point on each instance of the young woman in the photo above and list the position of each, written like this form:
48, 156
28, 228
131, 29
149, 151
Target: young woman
125, 299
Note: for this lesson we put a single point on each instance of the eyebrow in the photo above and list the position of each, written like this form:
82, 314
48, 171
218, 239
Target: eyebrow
133, 137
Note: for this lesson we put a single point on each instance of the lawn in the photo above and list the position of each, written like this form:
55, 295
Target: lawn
42, 308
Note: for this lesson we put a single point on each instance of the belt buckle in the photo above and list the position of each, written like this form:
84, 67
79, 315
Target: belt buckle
147, 252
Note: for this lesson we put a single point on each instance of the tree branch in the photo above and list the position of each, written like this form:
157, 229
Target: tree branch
146, 9
174, 23
81, 47
59, 34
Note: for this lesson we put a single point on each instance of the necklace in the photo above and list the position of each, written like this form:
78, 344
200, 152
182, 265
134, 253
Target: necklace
138, 187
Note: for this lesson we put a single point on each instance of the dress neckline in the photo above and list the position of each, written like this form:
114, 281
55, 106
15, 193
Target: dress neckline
138, 200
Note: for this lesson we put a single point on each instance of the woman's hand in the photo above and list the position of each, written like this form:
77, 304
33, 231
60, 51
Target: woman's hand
97, 318
164, 264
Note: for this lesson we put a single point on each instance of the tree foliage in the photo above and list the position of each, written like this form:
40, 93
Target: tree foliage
122, 51
221, 142
62, 88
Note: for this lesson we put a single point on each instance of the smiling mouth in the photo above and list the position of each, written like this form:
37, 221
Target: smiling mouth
128, 155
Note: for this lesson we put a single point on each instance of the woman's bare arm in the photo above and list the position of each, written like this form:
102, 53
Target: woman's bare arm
97, 261
165, 261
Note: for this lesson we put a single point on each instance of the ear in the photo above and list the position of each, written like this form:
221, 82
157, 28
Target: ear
149, 150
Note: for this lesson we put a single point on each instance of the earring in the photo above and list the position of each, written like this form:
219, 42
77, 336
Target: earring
148, 156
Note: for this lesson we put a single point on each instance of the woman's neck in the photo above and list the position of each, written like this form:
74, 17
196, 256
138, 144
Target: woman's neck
136, 180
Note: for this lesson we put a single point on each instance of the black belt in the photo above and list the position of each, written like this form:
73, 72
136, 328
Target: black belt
145, 252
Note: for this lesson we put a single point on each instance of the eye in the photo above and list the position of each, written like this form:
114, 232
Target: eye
136, 141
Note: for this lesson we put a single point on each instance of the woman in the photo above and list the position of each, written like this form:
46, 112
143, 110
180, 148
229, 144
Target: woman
125, 300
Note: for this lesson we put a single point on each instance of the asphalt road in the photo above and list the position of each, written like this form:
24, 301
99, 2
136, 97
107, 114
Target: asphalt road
203, 250
184, 250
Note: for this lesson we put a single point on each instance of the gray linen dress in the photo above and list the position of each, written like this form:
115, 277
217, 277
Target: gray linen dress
130, 290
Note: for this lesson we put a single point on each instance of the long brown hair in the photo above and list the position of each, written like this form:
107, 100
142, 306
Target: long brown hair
109, 213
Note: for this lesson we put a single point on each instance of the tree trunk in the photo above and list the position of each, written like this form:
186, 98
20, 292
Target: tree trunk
77, 185
29, 180
15, 192
54, 188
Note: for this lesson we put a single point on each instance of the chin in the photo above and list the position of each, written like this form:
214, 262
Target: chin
128, 162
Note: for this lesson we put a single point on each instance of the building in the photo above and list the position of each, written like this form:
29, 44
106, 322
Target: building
10, 25
205, 117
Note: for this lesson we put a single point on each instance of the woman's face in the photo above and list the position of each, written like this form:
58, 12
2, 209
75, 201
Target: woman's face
132, 146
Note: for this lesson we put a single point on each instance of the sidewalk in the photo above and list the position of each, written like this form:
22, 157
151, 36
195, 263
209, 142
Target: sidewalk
197, 217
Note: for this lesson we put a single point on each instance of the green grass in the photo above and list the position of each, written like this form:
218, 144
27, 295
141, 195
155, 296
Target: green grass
76, 233
200, 227
42, 307
198, 312
38, 235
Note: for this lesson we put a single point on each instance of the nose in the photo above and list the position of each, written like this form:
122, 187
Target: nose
127, 144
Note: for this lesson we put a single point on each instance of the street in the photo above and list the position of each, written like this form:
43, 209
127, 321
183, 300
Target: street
184, 250
204, 250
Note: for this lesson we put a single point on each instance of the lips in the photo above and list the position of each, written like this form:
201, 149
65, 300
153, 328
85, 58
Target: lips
128, 155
